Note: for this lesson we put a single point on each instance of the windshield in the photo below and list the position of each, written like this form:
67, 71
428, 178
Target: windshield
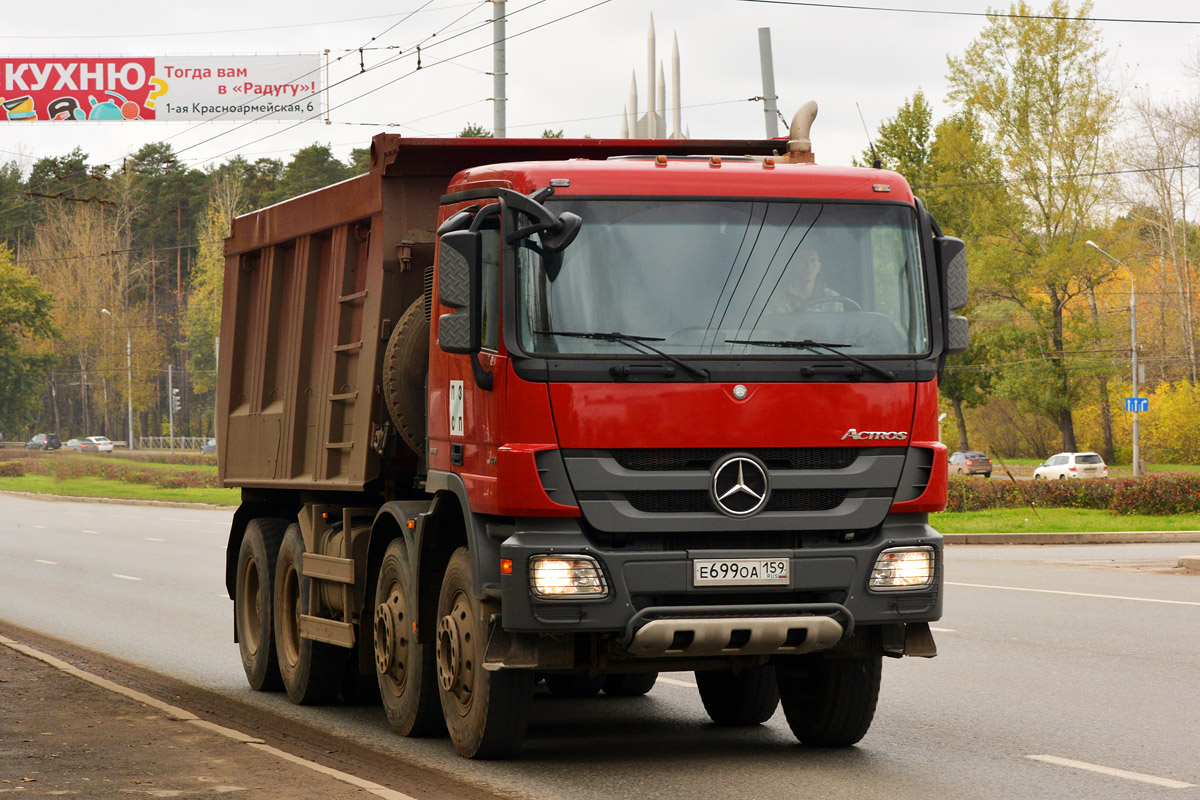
728, 278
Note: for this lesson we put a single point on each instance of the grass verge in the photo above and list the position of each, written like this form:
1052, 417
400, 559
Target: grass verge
99, 487
1057, 520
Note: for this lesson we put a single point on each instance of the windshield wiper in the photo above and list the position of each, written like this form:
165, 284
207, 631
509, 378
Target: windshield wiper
635, 342
817, 347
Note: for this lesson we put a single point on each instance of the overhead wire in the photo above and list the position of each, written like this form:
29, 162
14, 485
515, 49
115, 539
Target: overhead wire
985, 14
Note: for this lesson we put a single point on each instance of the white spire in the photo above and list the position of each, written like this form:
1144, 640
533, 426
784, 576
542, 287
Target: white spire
633, 105
660, 105
676, 102
651, 128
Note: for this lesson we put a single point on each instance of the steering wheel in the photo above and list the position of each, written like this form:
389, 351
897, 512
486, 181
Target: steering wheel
814, 302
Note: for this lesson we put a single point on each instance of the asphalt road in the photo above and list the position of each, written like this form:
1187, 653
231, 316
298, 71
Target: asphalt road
1065, 672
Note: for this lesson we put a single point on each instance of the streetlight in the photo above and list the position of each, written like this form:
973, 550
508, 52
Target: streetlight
128, 373
1137, 462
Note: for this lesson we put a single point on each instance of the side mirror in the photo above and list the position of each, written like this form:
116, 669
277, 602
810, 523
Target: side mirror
958, 336
460, 256
952, 258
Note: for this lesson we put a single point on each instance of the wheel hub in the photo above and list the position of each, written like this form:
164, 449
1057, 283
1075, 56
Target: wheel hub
448, 652
385, 635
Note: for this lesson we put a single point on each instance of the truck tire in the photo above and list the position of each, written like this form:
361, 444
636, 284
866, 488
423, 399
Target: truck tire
575, 685
405, 365
737, 699
252, 606
629, 684
405, 669
486, 712
311, 671
830, 702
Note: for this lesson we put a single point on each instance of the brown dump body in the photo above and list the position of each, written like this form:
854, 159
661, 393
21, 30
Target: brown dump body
313, 287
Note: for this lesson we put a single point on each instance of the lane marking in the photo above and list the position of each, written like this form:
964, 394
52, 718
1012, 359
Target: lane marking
1115, 773
1077, 594
174, 712
126, 516
43, 561
943, 630
125, 577
87, 531
39, 527
676, 682
172, 519
151, 539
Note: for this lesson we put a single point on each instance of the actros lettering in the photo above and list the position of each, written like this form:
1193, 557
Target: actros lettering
860, 435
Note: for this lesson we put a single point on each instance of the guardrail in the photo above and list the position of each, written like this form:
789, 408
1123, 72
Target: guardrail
167, 443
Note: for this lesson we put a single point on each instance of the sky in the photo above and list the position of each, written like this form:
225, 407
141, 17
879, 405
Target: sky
569, 65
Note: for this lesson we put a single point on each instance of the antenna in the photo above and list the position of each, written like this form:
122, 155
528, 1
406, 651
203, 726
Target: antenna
875, 162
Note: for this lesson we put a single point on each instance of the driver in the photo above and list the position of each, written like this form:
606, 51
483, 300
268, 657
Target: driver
801, 288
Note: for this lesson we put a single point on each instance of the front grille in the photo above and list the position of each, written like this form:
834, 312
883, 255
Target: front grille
700, 502
703, 458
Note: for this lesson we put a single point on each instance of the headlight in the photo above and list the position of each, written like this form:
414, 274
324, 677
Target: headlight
566, 576
903, 568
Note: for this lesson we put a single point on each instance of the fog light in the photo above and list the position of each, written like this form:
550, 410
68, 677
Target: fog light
566, 576
903, 568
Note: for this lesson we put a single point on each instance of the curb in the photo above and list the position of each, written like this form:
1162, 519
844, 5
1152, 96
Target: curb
1190, 563
63, 498
1126, 537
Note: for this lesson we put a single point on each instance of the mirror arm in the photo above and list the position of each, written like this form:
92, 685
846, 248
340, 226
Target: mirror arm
483, 379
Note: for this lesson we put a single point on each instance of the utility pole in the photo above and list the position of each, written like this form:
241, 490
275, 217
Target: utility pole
499, 126
1133, 354
171, 403
770, 101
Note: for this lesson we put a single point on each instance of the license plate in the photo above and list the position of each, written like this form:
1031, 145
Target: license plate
740, 572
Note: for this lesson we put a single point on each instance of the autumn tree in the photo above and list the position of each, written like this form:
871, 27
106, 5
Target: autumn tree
474, 131
203, 317
1035, 83
26, 328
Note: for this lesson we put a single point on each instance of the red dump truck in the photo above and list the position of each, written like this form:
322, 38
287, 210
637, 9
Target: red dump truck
577, 412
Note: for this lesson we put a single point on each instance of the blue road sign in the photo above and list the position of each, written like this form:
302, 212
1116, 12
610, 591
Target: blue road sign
1137, 403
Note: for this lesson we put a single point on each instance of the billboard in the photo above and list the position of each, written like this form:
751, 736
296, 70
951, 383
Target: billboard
184, 89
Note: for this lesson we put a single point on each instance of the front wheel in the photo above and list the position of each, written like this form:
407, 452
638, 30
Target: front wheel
829, 702
486, 712
312, 671
629, 684
731, 699
575, 685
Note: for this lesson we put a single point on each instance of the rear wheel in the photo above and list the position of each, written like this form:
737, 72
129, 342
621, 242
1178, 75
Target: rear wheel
405, 668
312, 671
630, 684
829, 702
734, 699
252, 607
486, 712
575, 685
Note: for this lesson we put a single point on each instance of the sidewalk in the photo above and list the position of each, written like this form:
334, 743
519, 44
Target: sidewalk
67, 732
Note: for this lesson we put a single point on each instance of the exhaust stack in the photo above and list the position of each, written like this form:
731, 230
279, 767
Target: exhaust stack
799, 149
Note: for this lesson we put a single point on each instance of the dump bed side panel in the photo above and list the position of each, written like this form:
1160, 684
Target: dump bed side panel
312, 288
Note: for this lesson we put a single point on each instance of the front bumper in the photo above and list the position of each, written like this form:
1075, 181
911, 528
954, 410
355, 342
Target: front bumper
651, 591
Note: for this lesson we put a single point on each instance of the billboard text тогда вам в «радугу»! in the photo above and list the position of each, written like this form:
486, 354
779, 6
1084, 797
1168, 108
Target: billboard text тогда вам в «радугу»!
184, 89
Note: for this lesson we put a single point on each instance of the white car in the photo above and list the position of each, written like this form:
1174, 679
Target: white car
1071, 465
96, 444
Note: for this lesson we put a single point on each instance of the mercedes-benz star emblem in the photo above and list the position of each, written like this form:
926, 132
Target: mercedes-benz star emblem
740, 486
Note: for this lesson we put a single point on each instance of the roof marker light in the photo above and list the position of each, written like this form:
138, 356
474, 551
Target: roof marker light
768, 163
714, 161
882, 187
660, 161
